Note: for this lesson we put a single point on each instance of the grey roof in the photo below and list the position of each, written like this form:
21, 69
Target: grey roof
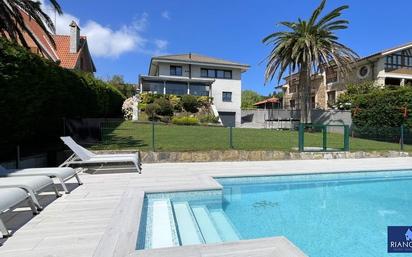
388, 51
192, 57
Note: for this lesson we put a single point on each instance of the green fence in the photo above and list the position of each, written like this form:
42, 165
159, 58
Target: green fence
328, 138
167, 137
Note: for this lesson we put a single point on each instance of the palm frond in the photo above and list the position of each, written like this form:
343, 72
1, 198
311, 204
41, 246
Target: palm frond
12, 23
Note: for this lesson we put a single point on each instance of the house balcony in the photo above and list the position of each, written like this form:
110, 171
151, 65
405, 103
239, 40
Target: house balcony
175, 85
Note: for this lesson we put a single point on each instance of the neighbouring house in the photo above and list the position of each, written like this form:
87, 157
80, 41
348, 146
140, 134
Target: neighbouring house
198, 75
70, 51
270, 103
389, 67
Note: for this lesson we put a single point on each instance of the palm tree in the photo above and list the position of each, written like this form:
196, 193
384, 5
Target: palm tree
12, 24
308, 46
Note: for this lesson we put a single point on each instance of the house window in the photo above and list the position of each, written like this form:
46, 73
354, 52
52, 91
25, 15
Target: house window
227, 96
292, 104
313, 102
228, 74
175, 70
331, 75
220, 74
399, 60
212, 73
331, 98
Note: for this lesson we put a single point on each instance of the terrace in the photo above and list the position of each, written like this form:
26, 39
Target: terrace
101, 217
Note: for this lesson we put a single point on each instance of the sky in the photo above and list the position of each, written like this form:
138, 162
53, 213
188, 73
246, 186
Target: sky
124, 34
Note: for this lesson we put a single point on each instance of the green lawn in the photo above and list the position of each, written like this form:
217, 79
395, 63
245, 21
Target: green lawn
128, 135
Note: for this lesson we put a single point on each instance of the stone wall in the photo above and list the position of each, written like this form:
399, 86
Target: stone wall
240, 155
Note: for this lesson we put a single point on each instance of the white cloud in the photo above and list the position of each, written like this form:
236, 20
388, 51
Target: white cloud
166, 15
161, 44
105, 41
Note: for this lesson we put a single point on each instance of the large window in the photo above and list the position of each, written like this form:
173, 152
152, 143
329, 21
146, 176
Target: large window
199, 89
227, 96
213, 73
176, 88
402, 59
175, 70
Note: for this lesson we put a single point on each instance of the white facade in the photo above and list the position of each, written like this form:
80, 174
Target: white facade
226, 92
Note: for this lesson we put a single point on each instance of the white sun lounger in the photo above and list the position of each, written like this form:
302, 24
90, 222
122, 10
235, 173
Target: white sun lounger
83, 156
32, 185
9, 198
61, 173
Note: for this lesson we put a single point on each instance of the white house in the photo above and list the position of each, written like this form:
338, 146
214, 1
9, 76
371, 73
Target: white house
201, 76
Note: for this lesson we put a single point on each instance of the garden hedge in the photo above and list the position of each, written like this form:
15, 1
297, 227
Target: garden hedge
380, 114
36, 94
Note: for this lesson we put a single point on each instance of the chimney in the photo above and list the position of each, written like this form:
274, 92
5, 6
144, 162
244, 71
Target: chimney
74, 37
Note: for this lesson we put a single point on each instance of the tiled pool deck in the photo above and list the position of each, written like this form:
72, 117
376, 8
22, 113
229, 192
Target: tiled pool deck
100, 217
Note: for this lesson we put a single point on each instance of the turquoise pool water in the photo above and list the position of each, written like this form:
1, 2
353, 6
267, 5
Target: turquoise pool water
323, 215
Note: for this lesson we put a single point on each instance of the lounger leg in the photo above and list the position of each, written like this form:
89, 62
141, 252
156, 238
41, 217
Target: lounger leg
34, 200
4, 230
63, 185
32, 206
56, 191
78, 179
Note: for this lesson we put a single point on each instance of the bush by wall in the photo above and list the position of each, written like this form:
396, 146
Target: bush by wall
36, 94
185, 120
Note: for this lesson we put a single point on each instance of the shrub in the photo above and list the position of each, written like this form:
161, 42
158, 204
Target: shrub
176, 102
203, 101
36, 94
142, 106
209, 118
151, 110
148, 98
185, 120
165, 107
190, 103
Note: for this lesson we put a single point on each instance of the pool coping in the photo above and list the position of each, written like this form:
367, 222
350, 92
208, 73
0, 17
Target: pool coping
116, 240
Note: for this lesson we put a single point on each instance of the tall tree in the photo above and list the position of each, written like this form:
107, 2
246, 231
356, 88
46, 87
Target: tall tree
12, 24
249, 98
127, 89
308, 46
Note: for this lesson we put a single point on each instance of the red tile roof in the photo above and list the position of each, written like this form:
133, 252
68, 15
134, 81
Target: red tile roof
269, 100
61, 52
48, 49
67, 60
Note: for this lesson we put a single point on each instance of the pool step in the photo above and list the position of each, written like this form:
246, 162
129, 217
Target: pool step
162, 219
206, 225
225, 228
187, 226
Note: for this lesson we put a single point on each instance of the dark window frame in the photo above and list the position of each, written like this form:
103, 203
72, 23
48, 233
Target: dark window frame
225, 97
399, 60
204, 73
174, 69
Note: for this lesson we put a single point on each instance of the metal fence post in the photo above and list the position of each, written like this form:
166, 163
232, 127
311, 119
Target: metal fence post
402, 137
301, 137
325, 138
153, 136
230, 138
346, 138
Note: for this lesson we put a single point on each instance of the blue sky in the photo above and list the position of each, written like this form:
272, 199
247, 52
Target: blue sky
124, 34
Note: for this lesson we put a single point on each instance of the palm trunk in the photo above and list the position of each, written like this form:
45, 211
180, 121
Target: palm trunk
305, 94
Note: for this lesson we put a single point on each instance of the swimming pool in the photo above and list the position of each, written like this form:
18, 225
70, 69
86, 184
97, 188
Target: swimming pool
340, 214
